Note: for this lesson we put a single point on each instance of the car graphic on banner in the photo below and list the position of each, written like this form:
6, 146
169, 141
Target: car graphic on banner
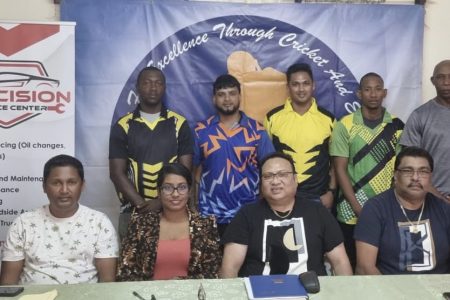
26, 91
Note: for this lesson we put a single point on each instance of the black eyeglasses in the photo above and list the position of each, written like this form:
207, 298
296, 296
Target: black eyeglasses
168, 189
422, 173
282, 175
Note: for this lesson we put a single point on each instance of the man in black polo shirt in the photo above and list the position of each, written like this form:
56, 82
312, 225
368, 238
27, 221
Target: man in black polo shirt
141, 142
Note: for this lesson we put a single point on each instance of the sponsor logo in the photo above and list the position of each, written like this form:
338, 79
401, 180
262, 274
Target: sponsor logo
26, 91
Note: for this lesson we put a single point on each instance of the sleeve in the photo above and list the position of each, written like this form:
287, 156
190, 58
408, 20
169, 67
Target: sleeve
265, 145
212, 255
339, 145
118, 142
369, 226
267, 126
128, 267
238, 231
447, 213
197, 159
412, 133
14, 247
399, 134
332, 235
185, 140
107, 244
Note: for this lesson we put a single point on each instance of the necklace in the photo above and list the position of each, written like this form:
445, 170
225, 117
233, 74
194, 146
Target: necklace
414, 226
286, 214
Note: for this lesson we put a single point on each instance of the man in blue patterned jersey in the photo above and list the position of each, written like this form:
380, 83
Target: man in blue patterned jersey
228, 146
141, 142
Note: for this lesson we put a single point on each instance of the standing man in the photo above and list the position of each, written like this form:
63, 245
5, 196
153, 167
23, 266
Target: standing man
405, 230
228, 146
363, 146
141, 142
302, 129
428, 127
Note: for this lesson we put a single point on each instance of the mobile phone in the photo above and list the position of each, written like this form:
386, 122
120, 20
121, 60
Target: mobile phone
446, 295
10, 291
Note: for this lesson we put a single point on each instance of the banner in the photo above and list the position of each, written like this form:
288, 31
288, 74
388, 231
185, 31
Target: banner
37, 110
194, 42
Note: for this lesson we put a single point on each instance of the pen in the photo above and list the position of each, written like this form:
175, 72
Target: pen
136, 294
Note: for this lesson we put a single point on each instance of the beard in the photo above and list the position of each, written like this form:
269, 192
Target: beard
227, 112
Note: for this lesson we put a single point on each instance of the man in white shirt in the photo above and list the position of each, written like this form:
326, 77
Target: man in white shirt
62, 242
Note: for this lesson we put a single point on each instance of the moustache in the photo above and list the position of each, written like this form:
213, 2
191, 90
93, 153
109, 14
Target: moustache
415, 185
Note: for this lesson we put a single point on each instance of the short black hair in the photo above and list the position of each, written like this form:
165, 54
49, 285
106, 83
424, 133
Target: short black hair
174, 168
226, 81
414, 152
370, 74
63, 160
299, 67
276, 155
151, 68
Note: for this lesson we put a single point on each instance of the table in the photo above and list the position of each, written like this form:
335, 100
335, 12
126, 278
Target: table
421, 287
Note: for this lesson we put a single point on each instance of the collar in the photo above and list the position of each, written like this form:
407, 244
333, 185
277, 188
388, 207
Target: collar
358, 117
313, 109
137, 112
436, 101
215, 119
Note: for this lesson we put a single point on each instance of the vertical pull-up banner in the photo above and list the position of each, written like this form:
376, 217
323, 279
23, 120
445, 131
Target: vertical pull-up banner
37, 109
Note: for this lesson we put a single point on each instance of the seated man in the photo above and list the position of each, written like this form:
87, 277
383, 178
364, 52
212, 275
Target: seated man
405, 230
279, 234
62, 242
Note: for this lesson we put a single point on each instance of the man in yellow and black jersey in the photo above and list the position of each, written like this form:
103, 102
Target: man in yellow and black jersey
141, 142
302, 129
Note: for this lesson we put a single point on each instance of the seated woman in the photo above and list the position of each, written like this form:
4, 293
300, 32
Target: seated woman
174, 242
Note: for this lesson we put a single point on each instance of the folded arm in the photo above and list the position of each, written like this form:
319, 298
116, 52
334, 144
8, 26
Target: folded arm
345, 184
118, 174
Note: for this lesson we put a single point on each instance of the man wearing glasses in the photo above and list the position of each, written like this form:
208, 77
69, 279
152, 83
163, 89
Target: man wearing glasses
428, 127
279, 234
405, 230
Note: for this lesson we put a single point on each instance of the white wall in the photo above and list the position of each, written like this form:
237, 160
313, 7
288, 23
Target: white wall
29, 10
436, 41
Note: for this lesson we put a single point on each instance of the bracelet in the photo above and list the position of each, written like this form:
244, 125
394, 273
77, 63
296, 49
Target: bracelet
332, 190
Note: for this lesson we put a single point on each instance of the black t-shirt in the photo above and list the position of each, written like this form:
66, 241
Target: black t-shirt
403, 248
271, 239
148, 145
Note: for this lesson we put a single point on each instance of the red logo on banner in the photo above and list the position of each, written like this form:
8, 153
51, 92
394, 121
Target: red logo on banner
26, 91
23, 36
